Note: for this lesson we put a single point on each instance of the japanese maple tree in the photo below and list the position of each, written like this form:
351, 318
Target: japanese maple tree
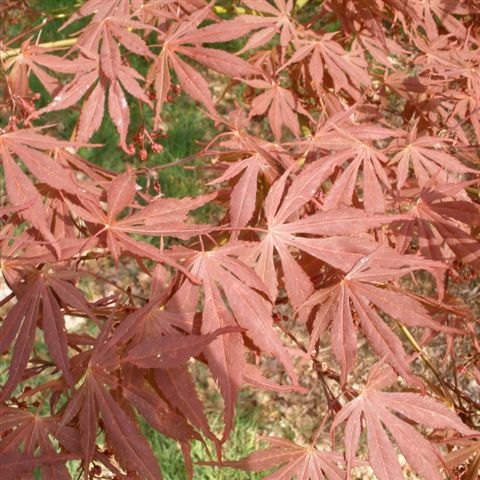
344, 180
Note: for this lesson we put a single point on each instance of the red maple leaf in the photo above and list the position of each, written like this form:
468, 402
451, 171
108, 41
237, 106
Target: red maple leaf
429, 158
352, 154
335, 247
361, 293
161, 217
94, 76
346, 69
442, 219
32, 149
295, 461
184, 38
27, 444
37, 60
374, 411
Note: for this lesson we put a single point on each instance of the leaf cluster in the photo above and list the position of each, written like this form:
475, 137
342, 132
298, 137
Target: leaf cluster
344, 171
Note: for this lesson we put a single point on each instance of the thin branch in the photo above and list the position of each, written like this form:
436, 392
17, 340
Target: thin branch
14, 52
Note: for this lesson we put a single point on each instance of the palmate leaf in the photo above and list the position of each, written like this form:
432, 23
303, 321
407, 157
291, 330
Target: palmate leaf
276, 18
100, 9
95, 75
449, 63
233, 294
32, 148
250, 309
37, 60
334, 248
464, 105
248, 158
152, 320
177, 40
161, 217
442, 222
179, 401
26, 444
280, 103
440, 12
361, 292
358, 16
92, 399
295, 462
97, 395
429, 158
41, 299
376, 411
350, 148
347, 69
101, 40
99, 36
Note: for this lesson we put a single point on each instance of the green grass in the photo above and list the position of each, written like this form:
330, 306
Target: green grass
187, 127
242, 441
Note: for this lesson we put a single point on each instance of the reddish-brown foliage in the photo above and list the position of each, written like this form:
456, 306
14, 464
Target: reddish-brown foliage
347, 169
